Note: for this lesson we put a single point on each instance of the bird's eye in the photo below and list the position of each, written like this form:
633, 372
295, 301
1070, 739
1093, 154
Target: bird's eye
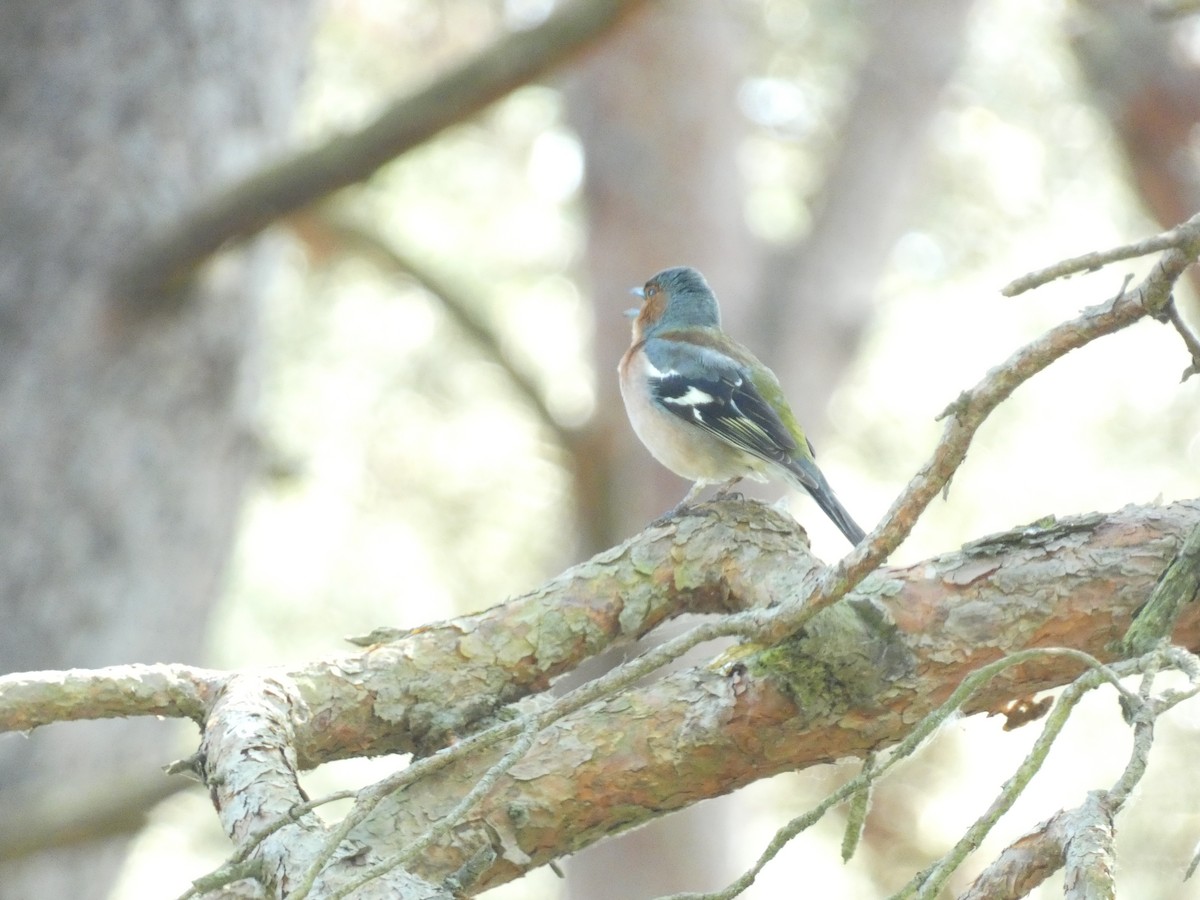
651, 290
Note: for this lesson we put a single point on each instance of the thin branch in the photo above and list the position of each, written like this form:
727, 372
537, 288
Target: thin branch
971, 409
1035, 856
170, 254
929, 883
856, 814
1178, 237
1189, 339
484, 784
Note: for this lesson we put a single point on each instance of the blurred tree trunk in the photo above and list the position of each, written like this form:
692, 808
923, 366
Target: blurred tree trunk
815, 299
1145, 79
126, 438
662, 189
656, 111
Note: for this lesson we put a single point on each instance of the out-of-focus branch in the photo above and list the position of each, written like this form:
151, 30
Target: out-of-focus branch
329, 227
167, 258
1171, 9
1149, 89
117, 805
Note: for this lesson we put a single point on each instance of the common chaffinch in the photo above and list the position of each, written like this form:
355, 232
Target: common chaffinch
703, 404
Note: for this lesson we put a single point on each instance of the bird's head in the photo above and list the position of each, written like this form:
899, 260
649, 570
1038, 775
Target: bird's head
674, 298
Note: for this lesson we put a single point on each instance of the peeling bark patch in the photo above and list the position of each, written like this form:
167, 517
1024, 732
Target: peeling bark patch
976, 620
568, 750
970, 572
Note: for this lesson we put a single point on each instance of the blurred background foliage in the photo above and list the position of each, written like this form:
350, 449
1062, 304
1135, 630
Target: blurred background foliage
421, 455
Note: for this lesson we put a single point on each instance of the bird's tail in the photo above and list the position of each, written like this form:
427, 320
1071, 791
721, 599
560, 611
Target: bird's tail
813, 480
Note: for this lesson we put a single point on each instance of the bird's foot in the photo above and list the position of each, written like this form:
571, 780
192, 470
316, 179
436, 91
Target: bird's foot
689, 507
682, 508
726, 491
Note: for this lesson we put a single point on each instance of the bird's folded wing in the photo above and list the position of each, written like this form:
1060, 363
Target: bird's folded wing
716, 393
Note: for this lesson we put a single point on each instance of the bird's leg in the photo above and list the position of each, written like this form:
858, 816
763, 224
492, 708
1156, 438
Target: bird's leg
723, 490
683, 506
690, 497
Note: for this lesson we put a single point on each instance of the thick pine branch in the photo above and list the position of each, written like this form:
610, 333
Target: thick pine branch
857, 678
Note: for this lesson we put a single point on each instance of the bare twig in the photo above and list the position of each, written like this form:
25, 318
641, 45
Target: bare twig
856, 814
484, 784
971, 409
169, 256
929, 883
1189, 339
1034, 857
1178, 237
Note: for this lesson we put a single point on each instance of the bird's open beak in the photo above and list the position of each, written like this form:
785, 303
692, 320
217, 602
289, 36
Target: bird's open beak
637, 292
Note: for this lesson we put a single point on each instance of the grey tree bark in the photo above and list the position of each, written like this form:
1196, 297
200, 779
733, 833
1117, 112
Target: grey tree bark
126, 438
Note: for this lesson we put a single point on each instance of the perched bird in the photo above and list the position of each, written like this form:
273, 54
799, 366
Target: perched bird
703, 404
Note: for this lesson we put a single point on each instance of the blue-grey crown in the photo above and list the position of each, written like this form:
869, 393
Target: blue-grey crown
692, 301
